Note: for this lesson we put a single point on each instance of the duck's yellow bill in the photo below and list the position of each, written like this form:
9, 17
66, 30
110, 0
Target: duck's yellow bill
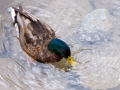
71, 61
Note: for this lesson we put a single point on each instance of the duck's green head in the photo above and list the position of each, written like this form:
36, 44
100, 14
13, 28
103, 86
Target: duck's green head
60, 48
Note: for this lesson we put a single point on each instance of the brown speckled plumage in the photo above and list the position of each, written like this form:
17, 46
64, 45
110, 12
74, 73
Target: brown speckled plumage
34, 36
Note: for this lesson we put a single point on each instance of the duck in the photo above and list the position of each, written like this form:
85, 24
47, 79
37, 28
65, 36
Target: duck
38, 40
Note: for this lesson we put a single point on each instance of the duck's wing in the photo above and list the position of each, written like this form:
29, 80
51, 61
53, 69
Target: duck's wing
31, 30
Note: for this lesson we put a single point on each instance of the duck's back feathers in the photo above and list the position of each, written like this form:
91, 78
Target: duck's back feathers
34, 36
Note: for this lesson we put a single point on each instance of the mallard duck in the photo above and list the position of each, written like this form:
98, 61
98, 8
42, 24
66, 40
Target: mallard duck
38, 39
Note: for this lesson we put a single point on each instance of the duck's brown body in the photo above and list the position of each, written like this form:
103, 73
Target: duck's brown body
34, 36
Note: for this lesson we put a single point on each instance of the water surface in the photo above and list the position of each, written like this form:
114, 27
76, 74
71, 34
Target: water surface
89, 27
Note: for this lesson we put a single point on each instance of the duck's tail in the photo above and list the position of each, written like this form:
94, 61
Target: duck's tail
21, 21
13, 15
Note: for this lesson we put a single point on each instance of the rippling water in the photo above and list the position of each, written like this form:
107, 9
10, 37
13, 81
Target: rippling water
90, 27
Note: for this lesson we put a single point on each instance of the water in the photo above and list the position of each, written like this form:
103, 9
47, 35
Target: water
89, 27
